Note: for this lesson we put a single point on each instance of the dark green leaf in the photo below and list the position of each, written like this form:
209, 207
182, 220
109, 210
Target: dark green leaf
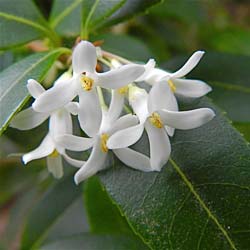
65, 17
244, 128
53, 204
20, 22
104, 217
13, 82
129, 9
199, 200
229, 76
99, 13
95, 242
17, 216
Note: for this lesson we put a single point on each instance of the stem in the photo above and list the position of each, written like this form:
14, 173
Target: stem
101, 98
106, 62
113, 56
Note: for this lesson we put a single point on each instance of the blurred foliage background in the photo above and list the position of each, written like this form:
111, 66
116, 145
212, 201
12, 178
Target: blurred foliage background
168, 32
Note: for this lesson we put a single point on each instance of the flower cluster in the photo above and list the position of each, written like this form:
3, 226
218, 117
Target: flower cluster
80, 93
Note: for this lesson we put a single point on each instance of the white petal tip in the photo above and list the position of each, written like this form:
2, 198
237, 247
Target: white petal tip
76, 180
25, 160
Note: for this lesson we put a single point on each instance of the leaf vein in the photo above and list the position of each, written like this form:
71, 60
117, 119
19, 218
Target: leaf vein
173, 218
66, 12
202, 203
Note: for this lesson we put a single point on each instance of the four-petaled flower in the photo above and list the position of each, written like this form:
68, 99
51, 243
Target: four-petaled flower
60, 123
111, 123
154, 118
83, 83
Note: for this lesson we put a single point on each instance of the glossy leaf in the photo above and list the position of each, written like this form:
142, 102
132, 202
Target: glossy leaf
20, 22
14, 79
99, 13
95, 242
46, 212
229, 76
65, 17
199, 200
103, 216
244, 128
129, 9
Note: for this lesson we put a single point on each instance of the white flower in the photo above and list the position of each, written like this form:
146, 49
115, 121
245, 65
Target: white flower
179, 86
83, 83
153, 118
59, 123
110, 124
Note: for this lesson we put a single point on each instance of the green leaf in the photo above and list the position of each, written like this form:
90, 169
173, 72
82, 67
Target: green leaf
229, 76
130, 9
244, 128
95, 242
65, 17
17, 216
20, 22
13, 82
99, 13
234, 40
46, 212
104, 217
199, 200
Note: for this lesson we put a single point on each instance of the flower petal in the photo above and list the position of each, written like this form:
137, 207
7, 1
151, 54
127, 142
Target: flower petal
133, 159
35, 88
75, 143
60, 123
55, 97
186, 119
84, 57
89, 114
55, 166
93, 165
138, 100
191, 88
126, 137
73, 162
120, 77
160, 147
44, 149
149, 67
189, 65
28, 119
72, 107
116, 105
124, 122
161, 97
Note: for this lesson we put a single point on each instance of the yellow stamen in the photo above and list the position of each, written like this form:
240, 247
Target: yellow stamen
104, 138
171, 85
87, 83
54, 153
123, 90
155, 119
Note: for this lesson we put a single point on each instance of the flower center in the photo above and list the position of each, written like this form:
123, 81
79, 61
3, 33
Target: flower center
87, 83
104, 138
155, 119
54, 154
171, 85
123, 90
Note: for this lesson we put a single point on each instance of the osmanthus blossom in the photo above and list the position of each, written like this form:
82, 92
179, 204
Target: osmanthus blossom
152, 117
111, 123
83, 84
179, 86
59, 123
